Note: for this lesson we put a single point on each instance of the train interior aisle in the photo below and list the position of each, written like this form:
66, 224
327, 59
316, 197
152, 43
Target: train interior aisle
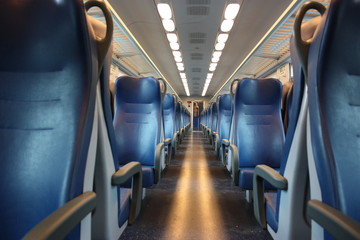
195, 199
180, 119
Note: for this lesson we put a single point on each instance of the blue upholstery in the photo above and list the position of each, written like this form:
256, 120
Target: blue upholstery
48, 77
224, 118
257, 128
137, 121
271, 203
334, 101
177, 116
169, 115
214, 118
125, 194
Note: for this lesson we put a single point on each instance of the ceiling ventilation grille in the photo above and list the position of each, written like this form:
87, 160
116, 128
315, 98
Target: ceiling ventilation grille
196, 56
198, 2
198, 11
196, 70
197, 37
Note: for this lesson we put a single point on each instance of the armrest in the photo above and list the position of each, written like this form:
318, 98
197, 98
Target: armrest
261, 173
61, 222
159, 149
235, 163
224, 143
134, 170
168, 143
335, 222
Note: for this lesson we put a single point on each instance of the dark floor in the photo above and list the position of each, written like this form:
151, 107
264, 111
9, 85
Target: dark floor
195, 199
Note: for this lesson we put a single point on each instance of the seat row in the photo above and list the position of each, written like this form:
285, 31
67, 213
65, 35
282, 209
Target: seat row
68, 167
302, 184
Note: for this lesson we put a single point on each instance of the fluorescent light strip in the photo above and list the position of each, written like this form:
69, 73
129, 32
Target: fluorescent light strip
136, 44
165, 13
293, 6
231, 11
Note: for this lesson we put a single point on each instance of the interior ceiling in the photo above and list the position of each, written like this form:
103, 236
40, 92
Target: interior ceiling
197, 24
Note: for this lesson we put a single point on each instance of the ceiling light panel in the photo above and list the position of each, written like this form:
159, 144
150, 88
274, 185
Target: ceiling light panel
164, 10
177, 53
174, 46
172, 37
219, 46
222, 37
169, 25
226, 25
231, 11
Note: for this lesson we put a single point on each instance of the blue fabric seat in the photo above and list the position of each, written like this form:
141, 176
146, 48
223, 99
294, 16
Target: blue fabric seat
213, 123
48, 120
169, 113
334, 148
284, 210
224, 121
115, 209
257, 134
138, 125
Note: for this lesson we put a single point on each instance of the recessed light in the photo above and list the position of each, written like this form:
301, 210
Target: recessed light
226, 25
217, 54
172, 37
231, 11
209, 75
164, 10
174, 46
182, 75
219, 46
222, 37
180, 64
215, 60
181, 68
169, 25
178, 59
177, 53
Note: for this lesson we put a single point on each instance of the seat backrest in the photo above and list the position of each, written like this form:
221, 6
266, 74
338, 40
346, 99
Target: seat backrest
169, 115
286, 92
224, 116
334, 100
257, 125
177, 116
214, 117
137, 120
48, 76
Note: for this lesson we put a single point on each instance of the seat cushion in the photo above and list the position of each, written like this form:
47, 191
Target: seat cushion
271, 199
148, 177
246, 179
124, 205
